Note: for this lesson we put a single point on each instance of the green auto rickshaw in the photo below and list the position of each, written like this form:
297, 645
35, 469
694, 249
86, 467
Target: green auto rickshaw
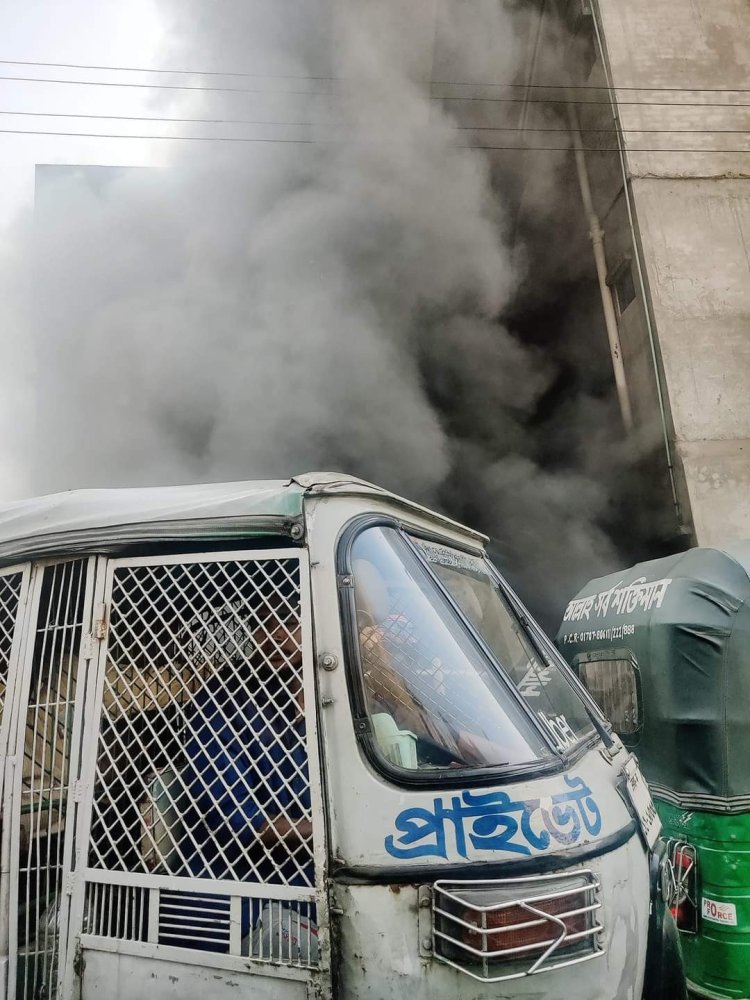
664, 648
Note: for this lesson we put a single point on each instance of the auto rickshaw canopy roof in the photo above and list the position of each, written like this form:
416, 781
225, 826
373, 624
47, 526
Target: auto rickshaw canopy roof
685, 621
101, 520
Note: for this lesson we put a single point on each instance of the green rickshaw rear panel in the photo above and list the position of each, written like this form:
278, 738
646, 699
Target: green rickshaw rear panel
665, 649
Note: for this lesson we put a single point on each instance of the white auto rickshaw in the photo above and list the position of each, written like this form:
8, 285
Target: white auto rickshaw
298, 739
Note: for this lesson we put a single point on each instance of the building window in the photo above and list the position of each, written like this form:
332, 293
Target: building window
622, 282
614, 683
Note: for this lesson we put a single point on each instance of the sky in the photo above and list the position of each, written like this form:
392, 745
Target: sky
105, 32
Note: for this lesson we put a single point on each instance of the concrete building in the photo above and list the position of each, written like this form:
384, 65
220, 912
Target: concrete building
666, 150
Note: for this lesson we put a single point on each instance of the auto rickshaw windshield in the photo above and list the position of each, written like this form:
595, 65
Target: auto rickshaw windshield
434, 698
549, 688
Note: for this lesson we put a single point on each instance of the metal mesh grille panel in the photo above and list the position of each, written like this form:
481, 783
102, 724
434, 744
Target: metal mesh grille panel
10, 590
201, 764
45, 776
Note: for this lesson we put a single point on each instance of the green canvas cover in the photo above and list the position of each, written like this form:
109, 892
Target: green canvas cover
686, 622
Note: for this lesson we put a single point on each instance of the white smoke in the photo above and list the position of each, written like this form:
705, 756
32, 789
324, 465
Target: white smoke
263, 309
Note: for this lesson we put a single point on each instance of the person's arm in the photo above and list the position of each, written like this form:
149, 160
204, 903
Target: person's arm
479, 751
284, 831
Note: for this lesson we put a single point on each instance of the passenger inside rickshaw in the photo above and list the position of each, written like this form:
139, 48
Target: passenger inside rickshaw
433, 698
218, 731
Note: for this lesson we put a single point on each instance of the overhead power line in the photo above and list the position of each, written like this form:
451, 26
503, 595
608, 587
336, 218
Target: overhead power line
325, 124
592, 86
607, 103
167, 72
181, 121
186, 138
259, 139
438, 83
164, 86
333, 93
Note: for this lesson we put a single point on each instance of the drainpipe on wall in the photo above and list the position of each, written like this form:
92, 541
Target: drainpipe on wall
596, 233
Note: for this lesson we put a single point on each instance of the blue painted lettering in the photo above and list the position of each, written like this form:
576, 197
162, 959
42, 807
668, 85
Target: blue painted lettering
493, 821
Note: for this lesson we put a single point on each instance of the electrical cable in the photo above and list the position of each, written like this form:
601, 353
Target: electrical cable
565, 101
323, 124
168, 72
260, 139
165, 86
332, 93
436, 83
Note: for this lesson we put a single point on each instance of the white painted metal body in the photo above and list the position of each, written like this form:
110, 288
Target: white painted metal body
381, 927
105, 659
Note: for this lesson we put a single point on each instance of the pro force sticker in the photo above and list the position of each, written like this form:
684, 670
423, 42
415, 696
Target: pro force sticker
719, 913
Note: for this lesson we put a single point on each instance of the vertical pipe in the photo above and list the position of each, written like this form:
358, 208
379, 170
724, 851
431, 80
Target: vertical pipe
596, 235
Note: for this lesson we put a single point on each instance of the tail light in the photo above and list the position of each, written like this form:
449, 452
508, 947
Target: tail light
682, 902
520, 928
508, 928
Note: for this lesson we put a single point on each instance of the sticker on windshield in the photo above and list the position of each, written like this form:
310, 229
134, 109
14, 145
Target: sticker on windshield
719, 913
534, 680
451, 558
560, 730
